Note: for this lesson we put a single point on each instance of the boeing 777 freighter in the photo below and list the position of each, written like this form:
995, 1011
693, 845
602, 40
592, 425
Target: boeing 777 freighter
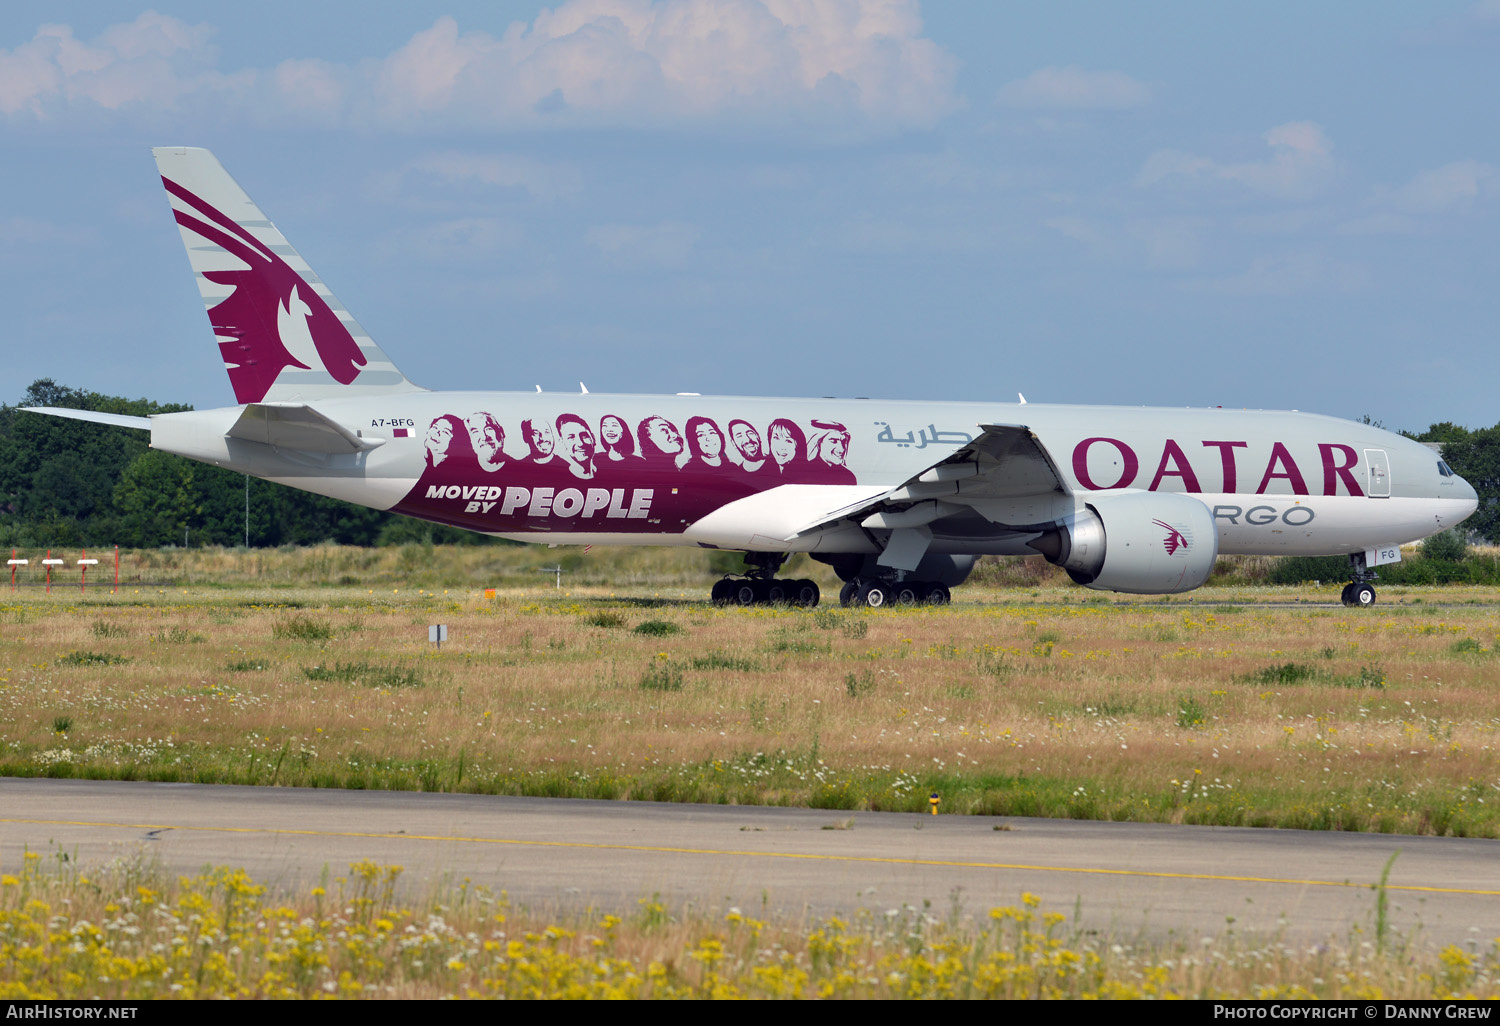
900, 498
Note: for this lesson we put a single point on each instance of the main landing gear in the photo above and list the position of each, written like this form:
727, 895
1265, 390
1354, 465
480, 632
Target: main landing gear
1360, 593
875, 593
760, 586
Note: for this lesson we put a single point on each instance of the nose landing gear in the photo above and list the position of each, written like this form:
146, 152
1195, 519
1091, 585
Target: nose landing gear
1360, 593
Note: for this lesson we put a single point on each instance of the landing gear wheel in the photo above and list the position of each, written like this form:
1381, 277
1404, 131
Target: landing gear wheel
847, 594
745, 593
938, 595
1363, 595
779, 593
874, 594
1347, 598
722, 593
805, 594
907, 594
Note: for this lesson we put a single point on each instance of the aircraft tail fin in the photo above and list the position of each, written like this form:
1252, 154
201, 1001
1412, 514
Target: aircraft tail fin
283, 335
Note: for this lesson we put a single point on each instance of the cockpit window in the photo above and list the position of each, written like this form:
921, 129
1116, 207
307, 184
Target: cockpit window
1444, 469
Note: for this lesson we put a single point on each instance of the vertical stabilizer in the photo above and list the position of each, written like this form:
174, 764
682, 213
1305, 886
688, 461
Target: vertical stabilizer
283, 335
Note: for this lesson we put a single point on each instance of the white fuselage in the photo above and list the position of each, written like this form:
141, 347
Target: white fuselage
1277, 483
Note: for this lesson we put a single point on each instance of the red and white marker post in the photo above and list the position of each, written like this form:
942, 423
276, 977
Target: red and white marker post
83, 570
49, 563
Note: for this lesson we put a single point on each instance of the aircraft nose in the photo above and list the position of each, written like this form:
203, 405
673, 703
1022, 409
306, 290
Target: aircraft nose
1467, 493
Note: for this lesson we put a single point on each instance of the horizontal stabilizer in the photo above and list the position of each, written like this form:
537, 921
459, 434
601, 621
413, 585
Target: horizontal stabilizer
114, 419
295, 426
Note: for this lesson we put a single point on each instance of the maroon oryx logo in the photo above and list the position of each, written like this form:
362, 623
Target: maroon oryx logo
1174, 540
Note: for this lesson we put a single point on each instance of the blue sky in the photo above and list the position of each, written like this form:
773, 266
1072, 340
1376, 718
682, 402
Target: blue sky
1271, 205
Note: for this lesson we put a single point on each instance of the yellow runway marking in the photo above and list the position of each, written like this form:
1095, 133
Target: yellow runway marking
807, 856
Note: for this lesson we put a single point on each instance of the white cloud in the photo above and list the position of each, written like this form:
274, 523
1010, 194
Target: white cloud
153, 61
1293, 273
1281, 221
540, 179
1157, 243
1418, 206
779, 177
1074, 88
897, 234
667, 244
1380, 224
1450, 187
1476, 25
597, 61
1169, 243
311, 88
27, 242
586, 62
466, 238
1080, 229
1300, 166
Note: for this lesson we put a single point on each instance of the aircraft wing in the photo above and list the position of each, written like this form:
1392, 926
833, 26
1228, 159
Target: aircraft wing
1006, 475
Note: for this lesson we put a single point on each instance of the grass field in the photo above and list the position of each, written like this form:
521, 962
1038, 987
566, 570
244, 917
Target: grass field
1242, 707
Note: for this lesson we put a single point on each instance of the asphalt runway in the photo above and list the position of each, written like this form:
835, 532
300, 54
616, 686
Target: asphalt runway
1128, 880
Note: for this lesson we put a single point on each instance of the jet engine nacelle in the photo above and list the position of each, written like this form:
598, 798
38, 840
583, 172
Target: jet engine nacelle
1144, 543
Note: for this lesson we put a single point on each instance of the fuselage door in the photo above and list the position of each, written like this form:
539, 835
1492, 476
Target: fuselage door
1378, 474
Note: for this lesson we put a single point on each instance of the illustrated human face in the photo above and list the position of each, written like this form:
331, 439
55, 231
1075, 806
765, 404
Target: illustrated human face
485, 435
612, 431
664, 435
439, 435
577, 442
783, 445
747, 440
709, 442
834, 449
542, 439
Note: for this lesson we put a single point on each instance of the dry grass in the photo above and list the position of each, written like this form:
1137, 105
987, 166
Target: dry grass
1059, 705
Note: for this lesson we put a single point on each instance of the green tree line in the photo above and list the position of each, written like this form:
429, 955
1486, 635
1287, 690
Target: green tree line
70, 483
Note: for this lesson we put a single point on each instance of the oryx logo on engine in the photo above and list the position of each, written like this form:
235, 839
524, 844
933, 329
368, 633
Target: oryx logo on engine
1175, 539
